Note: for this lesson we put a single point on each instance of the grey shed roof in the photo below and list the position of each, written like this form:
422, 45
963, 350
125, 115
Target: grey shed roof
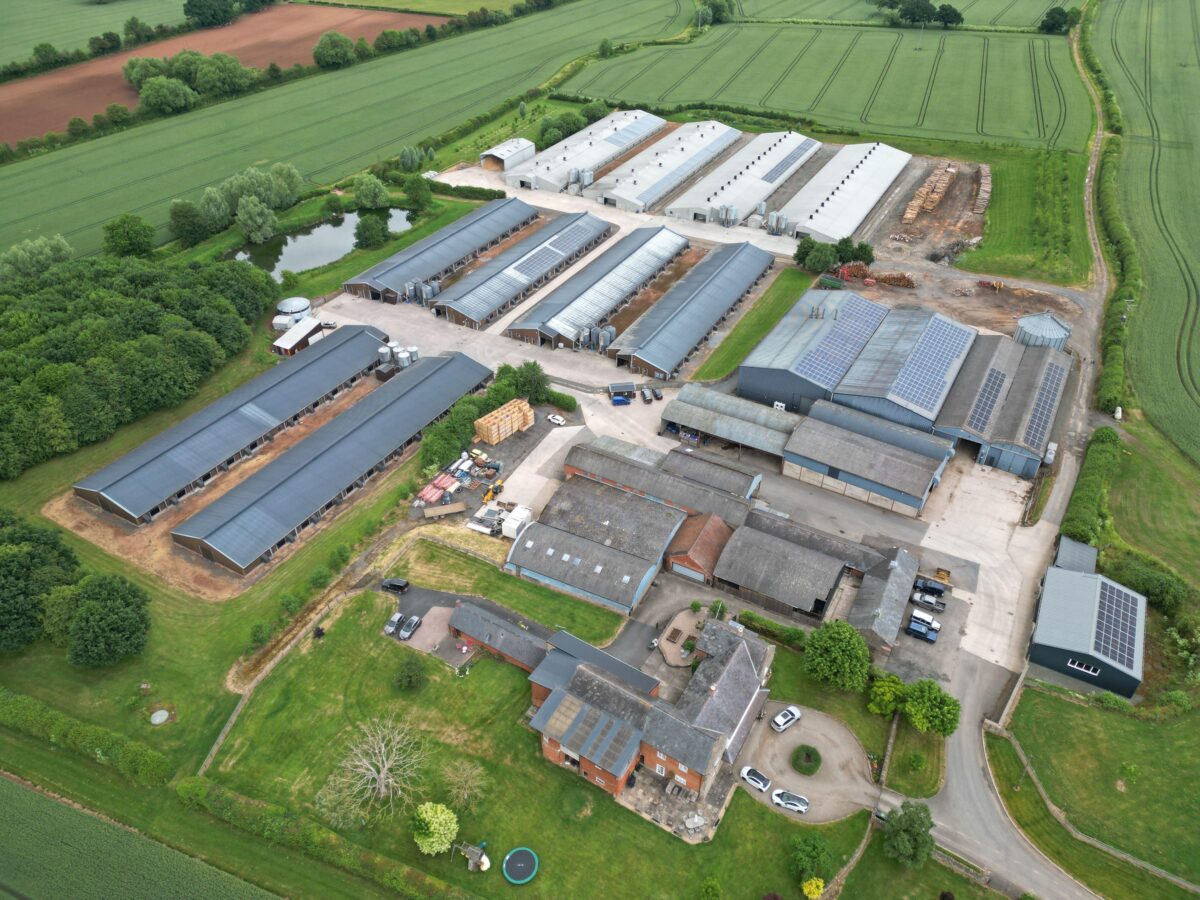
1027, 417
604, 284
168, 462
1091, 614
726, 475
612, 517
256, 514
580, 563
498, 633
500, 280
984, 381
581, 650
920, 442
883, 595
857, 556
790, 573
1076, 556
628, 471
448, 245
856, 454
731, 418
666, 333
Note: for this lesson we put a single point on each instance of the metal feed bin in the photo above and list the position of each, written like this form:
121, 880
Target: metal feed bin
1042, 329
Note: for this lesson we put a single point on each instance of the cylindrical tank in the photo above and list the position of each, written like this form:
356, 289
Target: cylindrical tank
296, 307
414, 354
1042, 330
403, 360
385, 356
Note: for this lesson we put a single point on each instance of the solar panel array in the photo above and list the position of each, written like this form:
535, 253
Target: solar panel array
985, 403
827, 363
1044, 404
538, 262
922, 379
788, 161
571, 239
1116, 624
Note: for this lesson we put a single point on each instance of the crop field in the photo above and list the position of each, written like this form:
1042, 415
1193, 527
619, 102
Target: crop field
327, 126
1008, 13
996, 88
431, 7
52, 850
67, 24
1150, 50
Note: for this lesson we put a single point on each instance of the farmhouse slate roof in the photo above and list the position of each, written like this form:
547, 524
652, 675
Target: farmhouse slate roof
883, 596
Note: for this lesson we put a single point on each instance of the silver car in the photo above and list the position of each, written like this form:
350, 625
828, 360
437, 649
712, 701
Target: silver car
756, 779
393, 623
413, 623
789, 801
786, 719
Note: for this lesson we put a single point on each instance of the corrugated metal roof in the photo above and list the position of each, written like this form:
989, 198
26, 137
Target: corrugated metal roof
447, 246
885, 430
716, 471
982, 386
647, 178
1076, 614
508, 148
594, 656
297, 333
883, 595
612, 517
499, 281
1027, 416
1076, 556
790, 573
834, 202
498, 633
665, 334
253, 516
746, 410
170, 461
725, 427
1046, 325
856, 454
604, 284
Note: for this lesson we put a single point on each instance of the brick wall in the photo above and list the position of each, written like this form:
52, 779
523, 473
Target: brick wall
691, 779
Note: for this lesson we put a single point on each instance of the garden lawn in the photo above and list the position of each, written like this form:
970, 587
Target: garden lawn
780, 297
328, 126
1078, 752
289, 738
441, 568
51, 850
67, 24
1155, 498
1106, 875
791, 684
901, 777
878, 876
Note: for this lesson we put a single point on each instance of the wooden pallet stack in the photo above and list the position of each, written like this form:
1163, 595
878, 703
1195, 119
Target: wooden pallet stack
513, 416
931, 192
984, 196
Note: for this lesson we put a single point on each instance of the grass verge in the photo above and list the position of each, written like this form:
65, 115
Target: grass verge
904, 773
878, 876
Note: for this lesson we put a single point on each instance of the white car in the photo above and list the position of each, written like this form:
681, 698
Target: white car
393, 623
556, 419
789, 801
786, 719
927, 620
756, 779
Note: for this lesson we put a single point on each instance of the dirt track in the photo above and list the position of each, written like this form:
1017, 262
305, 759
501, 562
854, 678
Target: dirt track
284, 35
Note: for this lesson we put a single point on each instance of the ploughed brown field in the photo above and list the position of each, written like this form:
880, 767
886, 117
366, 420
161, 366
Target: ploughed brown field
284, 35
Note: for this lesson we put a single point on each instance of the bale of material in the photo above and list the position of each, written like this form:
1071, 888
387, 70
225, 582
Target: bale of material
513, 416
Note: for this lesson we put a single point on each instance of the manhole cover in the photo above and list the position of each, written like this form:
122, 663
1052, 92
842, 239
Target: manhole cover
159, 716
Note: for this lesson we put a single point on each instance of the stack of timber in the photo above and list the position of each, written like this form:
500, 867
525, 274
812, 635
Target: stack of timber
984, 195
513, 416
930, 194
897, 279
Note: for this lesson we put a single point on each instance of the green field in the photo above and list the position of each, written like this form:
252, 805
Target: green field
1078, 753
52, 850
996, 88
67, 24
877, 876
1103, 873
288, 739
440, 7
1008, 13
1151, 52
327, 126
902, 777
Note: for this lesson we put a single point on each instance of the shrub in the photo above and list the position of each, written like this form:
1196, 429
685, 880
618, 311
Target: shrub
810, 857
339, 557
334, 51
696, 606
410, 675
788, 635
1164, 589
562, 401
915, 761
1087, 509
434, 826
886, 695
1110, 701
319, 578
260, 634
166, 96
806, 760
291, 604
466, 191
1177, 700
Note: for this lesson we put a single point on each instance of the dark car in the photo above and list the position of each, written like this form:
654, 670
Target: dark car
413, 623
920, 630
657, 393
929, 586
395, 585
647, 397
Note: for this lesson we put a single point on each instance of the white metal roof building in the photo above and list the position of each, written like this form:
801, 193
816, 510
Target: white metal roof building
571, 314
502, 282
734, 189
508, 154
303, 334
838, 198
658, 170
589, 149
659, 342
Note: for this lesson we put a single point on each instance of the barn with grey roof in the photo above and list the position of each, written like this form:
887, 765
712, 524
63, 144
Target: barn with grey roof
781, 575
410, 274
698, 412
250, 523
186, 457
879, 609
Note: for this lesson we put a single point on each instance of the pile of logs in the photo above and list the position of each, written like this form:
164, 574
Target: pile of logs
896, 279
930, 194
984, 195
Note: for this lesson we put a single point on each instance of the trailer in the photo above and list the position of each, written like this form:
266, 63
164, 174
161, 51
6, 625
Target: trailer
448, 509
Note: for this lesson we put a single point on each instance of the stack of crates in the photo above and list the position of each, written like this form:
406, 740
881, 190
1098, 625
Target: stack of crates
513, 416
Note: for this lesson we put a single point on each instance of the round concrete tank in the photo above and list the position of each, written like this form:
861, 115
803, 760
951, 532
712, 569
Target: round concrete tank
294, 306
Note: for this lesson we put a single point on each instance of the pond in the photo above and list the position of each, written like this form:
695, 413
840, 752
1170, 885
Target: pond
316, 245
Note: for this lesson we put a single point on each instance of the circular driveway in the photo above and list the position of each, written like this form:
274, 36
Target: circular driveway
842, 785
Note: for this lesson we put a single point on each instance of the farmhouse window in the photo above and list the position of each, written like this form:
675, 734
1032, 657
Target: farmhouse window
660, 769
683, 768
1085, 668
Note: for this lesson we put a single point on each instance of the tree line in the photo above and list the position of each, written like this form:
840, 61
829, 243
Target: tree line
817, 257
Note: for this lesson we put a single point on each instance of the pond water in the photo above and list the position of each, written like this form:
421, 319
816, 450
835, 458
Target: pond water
316, 245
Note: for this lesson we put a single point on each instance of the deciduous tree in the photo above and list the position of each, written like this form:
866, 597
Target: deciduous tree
810, 857
110, 621
370, 192
128, 235
821, 258
434, 826
33, 256
837, 654
417, 192
906, 834
948, 15
886, 696
166, 96
256, 219
187, 223
929, 708
370, 231
380, 769
465, 781
209, 13
334, 51
915, 12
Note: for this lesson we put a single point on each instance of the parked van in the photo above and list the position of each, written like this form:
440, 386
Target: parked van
927, 620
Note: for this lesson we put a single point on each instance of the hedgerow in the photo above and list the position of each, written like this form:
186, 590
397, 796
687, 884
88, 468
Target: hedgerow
1110, 390
1086, 516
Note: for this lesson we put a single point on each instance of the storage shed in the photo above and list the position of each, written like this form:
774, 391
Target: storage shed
697, 547
305, 332
698, 412
784, 577
507, 154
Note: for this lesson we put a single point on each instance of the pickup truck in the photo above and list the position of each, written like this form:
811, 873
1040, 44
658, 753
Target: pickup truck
930, 586
929, 602
917, 629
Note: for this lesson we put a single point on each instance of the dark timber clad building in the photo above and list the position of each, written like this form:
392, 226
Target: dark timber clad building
250, 523
185, 457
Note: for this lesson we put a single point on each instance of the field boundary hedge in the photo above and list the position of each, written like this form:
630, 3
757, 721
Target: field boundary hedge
133, 759
872, 23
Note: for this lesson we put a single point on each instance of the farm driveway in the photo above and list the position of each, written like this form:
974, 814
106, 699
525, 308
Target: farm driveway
284, 35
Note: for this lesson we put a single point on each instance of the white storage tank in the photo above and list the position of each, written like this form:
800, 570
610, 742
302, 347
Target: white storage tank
1043, 329
294, 307
413, 354
403, 360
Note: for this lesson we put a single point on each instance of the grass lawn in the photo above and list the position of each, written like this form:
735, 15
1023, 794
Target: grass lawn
277, 754
1155, 498
1104, 874
792, 684
902, 777
39, 835
434, 566
1078, 752
878, 876
67, 24
781, 296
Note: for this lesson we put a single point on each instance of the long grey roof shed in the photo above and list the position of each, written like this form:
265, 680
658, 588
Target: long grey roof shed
254, 518
878, 611
615, 518
1076, 556
794, 575
176, 460
731, 418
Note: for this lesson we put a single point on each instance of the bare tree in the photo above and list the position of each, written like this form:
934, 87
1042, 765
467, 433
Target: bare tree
381, 768
466, 782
